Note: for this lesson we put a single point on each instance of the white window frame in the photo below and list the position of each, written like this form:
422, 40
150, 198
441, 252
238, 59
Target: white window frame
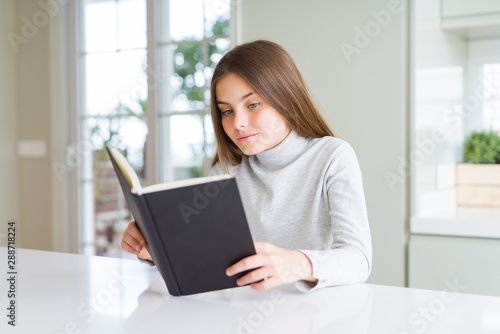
64, 128
161, 147
66, 74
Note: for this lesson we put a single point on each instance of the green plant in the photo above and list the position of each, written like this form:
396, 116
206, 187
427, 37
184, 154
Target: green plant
482, 148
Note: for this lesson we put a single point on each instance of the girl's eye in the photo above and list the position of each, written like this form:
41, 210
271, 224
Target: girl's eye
253, 105
227, 112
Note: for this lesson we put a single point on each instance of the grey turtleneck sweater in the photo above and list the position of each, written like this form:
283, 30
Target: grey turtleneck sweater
307, 194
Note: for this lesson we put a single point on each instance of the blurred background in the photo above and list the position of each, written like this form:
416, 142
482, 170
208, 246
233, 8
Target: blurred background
413, 86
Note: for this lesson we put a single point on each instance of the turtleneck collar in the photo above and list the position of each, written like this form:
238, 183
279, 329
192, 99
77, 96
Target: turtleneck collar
282, 155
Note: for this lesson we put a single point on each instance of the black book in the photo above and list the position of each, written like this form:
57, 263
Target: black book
194, 229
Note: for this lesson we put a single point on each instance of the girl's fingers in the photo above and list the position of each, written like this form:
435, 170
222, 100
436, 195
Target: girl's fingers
250, 262
266, 284
132, 240
126, 246
255, 276
138, 250
144, 254
133, 230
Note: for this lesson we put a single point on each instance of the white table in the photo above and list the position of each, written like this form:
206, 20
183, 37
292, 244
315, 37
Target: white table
66, 293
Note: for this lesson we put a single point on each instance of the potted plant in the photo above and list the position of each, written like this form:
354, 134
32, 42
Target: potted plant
478, 178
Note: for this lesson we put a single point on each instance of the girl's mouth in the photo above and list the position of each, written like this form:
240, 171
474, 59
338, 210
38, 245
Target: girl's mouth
246, 137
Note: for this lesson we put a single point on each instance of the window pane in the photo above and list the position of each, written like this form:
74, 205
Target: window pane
114, 108
111, 215
216, 50
187, 81
125, 133
186, 133
114, 78
217, 17
190, 80
132, 132
101, 83
132, 24
100, 26
110, 207
132, 79
186, 19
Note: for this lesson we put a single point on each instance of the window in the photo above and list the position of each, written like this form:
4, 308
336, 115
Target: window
191, 37
114, 92
454, 92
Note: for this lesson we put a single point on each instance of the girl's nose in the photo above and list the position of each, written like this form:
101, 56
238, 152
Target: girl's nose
240, 120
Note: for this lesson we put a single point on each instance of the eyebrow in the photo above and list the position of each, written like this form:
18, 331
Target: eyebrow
242, 98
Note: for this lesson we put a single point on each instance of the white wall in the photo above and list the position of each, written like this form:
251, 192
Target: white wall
8, 120
33, 123
365, 99
35, 95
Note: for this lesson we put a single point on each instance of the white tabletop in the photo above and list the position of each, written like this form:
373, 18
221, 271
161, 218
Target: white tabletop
66, 293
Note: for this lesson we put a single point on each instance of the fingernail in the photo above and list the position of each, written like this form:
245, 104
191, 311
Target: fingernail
228, 273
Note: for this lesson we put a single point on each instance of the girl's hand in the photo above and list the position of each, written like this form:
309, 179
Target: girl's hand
275, 266
133, 242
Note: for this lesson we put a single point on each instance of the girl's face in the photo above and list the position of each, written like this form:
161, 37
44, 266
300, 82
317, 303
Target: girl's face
252, 124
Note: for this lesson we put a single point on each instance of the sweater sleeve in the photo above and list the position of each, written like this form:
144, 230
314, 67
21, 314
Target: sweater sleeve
348, 258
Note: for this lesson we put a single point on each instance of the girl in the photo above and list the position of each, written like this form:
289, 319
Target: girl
301, 186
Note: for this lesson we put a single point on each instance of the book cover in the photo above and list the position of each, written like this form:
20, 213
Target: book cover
194, 229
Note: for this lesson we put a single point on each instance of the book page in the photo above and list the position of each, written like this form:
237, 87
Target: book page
128, 172
183, 183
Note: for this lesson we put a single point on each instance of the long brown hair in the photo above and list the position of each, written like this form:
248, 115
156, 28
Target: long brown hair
271, 72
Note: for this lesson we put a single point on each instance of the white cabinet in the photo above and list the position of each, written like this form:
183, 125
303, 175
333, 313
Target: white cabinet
454, 8
471, 19
472, 263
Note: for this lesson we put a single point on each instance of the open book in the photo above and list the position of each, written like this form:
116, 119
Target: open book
194, 229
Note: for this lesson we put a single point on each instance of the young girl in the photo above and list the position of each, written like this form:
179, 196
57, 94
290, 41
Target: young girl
301, 186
